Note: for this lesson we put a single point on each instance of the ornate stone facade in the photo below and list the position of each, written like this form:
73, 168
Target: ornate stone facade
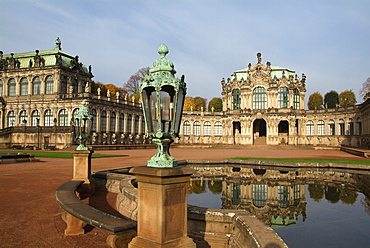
41, 91
265, 104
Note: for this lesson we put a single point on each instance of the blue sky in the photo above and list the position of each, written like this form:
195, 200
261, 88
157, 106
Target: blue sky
208, 39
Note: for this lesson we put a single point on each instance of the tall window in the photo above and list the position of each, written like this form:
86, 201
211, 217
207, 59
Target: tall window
331, 127
218, 128
24, 86
136, 124
63, 85
196, 128
296, 99
11, 87
22, 117
259, 195
120, 124
259, 98
103, 121
207, 128
49, 85
63, 118
321, 128
112, 122
309, 128
11, 118
351, 127
341, 127
283, 196
283, 98
236, 99
359, 126
74, 86
1, 87
35, 118
94, 120
129, 123
36, 86
186, 128
297, 194
48, 118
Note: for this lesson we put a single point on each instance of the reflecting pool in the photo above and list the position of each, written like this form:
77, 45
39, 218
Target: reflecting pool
307, 208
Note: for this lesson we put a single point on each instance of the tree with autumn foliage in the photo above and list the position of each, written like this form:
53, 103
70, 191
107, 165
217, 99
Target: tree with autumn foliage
113, 89
195, 103
347, 98
365, 88
189, 104
132, 84
315, 101
216, 104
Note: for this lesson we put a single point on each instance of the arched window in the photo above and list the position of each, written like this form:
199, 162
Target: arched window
309, 128
259, 195
112, 122
342, 127
120, 124
196, 128
36, 86
129, 123
11, 87
103, 121
49, 85
48, 118
218, 128
207, 128
331, 127
321, 128
236, 99
259, 98
23, 117
11, 118
94, 120
296, 99
186, 128
63, 85
1, 87
351, 127
283, 98
359, 126
63, 118
136, 124
24, 87
35, 118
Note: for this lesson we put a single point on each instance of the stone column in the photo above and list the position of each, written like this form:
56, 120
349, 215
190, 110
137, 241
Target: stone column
82, 171
162, 207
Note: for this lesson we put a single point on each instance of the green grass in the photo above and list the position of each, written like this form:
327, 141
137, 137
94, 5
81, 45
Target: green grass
309, 160
42, 154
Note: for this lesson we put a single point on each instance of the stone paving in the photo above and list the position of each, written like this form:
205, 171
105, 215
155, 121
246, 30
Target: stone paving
29, 214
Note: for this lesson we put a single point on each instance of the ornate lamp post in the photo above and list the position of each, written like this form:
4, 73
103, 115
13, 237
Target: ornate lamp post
162, 98
82, 156
82, 125
162, 184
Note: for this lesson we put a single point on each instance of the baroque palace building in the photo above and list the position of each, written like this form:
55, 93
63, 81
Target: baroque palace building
265, 104
41, 91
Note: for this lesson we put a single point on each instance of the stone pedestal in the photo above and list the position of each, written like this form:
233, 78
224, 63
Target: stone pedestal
162, 207
82, 171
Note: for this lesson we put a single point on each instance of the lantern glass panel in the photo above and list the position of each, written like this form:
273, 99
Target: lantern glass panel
179, 108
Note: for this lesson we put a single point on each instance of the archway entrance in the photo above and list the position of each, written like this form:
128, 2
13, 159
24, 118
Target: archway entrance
283, 130
259, 132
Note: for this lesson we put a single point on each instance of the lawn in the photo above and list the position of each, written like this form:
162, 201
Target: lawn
42, 154
309, 160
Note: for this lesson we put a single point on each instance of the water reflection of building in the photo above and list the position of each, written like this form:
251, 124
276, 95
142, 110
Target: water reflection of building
277, 195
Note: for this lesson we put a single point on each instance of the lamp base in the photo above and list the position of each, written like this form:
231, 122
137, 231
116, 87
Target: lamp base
162, 159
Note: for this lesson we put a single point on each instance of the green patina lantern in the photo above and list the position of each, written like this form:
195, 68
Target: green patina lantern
162, 98
82, 122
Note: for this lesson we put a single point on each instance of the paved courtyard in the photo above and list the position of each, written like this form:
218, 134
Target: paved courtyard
28, 211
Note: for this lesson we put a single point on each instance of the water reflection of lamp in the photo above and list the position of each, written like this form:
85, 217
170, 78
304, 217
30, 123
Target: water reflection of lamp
82, 126
162, 97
